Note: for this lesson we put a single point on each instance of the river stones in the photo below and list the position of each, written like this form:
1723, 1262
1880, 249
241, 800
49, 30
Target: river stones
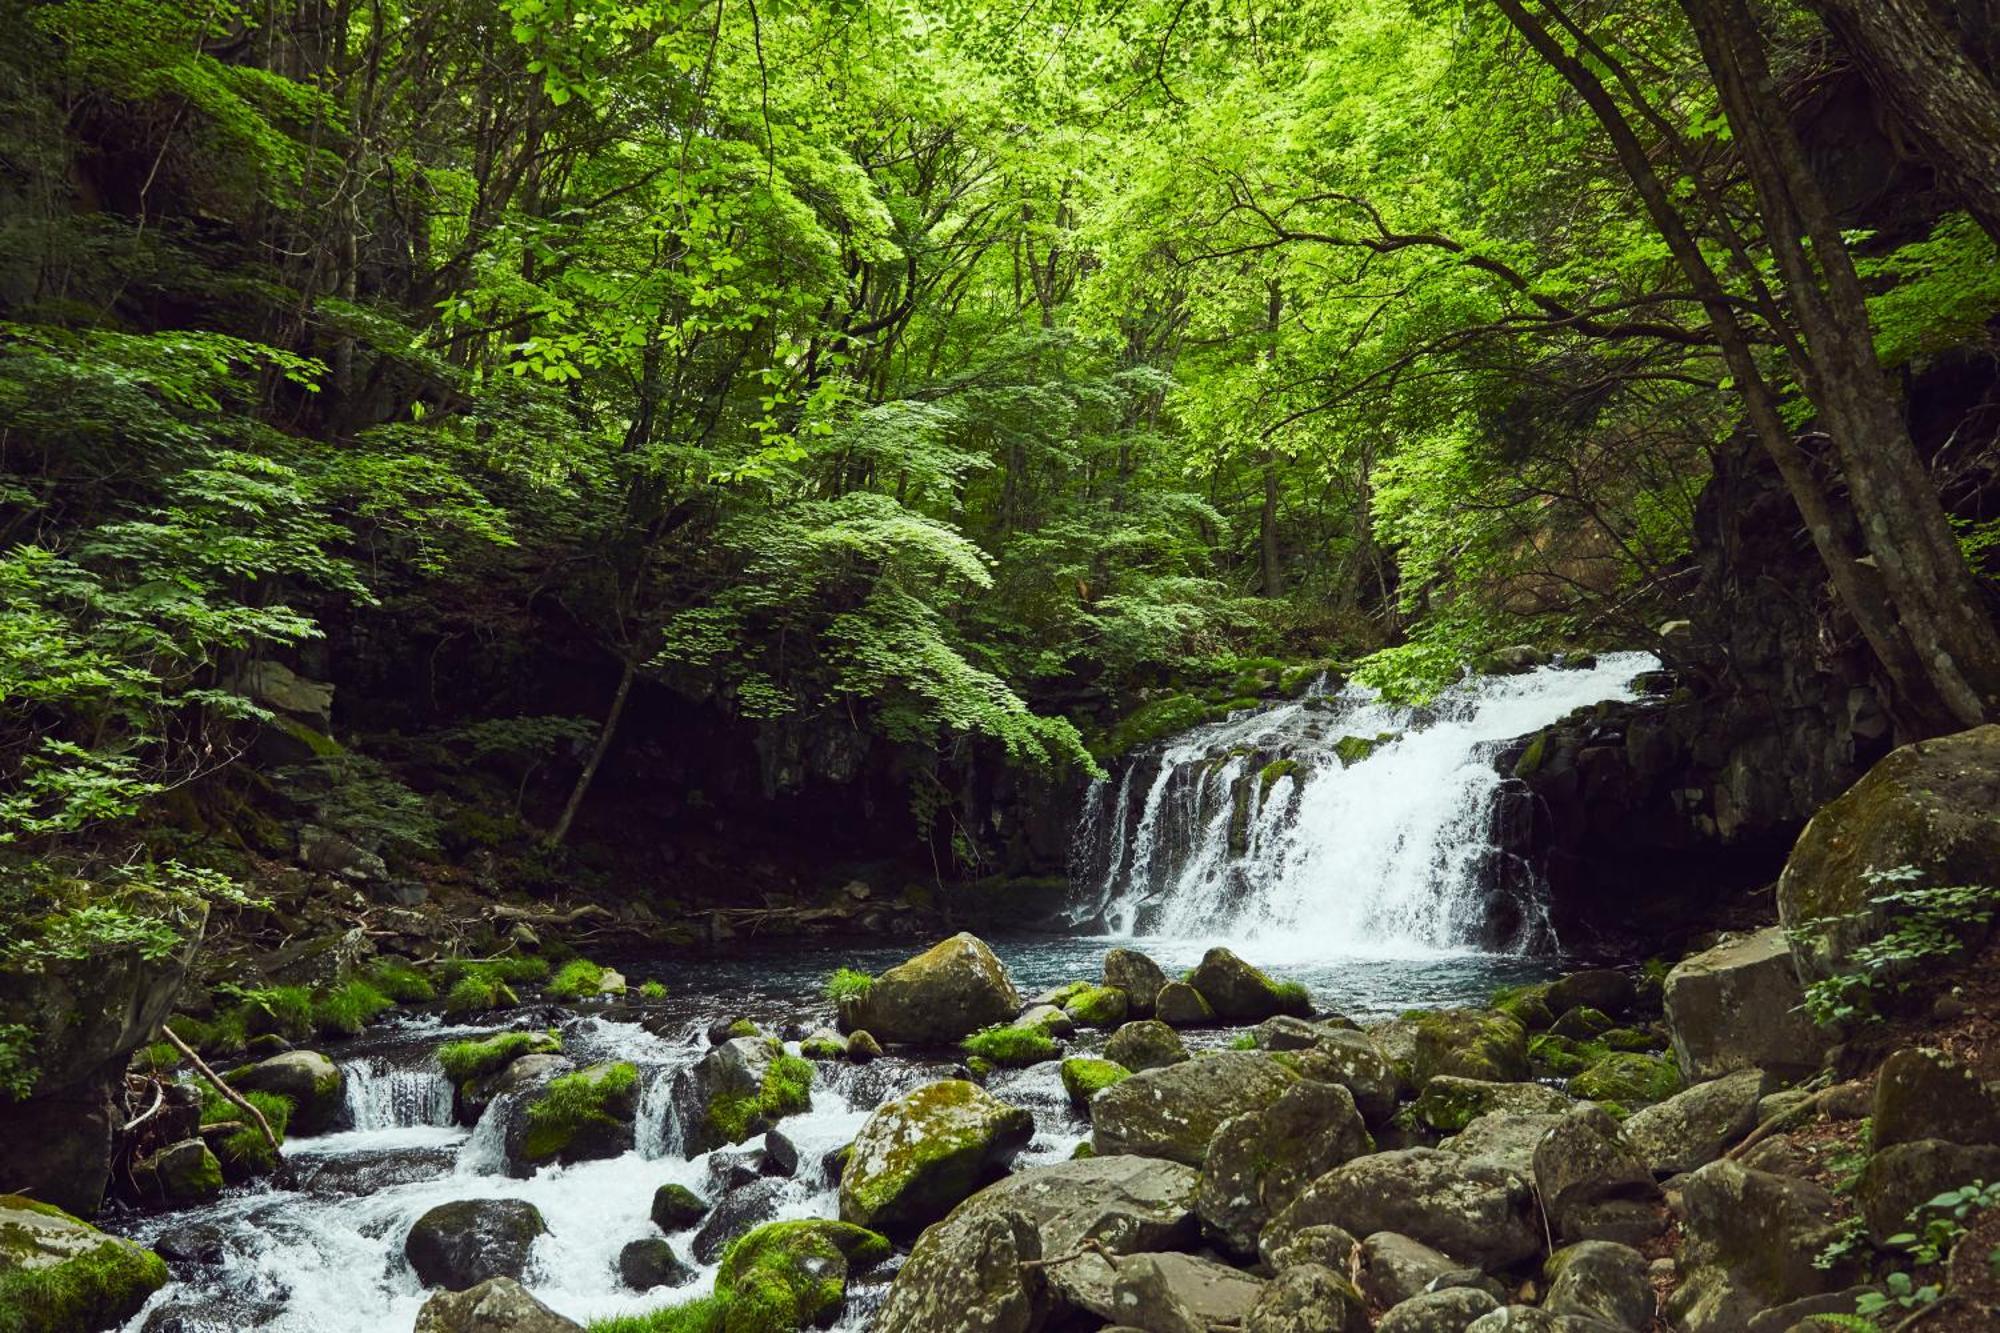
1737, 1006
1182, 1006
1258, 1162
1600, 1280
1084, 1076
461, 1244
650, 1262
1691, 1129
981, 1276
676, 1208
1308, 1298
1175, 1111
947, 992
497, 1304
738, 1090
1475, 1212
1240, 993
1449, 1103
312, 1082
1449, 1311
1137, 975
922, 1153
1328, 1054
1466, 1043
1145, 1044
1181, 1293
58, 1273
793, 1275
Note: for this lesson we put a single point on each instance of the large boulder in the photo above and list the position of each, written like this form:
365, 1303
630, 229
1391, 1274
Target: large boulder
1395, 1268
1137, 975
1751, 1240
1240, 993
461, 1244
1328, 1054
1503, 1138
1924, 1094
1476, 1212
981, 1276
1308, 1298
58, 1274
1452, 1310
1903, 1176
1258, 1162
84, 1018
921, 1154
497, 1305
312, 1082
947, 992
1736, 1006
584, 1116
1465, 1043
1933, 805
1691, 1129
1449, 1103
1182, 1006
793, 1275
1593, 1186
739, 1090
1145, 1044
1600, 1280
1173, 1112
1182, 1293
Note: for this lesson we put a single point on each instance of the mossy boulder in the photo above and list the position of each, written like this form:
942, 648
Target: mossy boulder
1083, 1077
920, 1154
311, 1082
1146, 1044
1182, 1006
461, 1244
1477, 1212
1737, 1006
1582, 1023
1526, 1005
1010, 1047
1550, 1056
823, 1044
944, 994
1629, 1079
1690, 1129
786, 1276
1137, 975
482, 1057
1240, 993
1449, 1103
1098, 1006
741, 1088
60, 1275
180, 1173
1933, 805
1173, 1112
1049, 1019
1926, 1094
1257, 1162
1465, 1043
676, 1208
578, 1117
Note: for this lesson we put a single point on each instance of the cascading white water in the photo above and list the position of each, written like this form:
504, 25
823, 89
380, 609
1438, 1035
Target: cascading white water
1266, 829
382, 1095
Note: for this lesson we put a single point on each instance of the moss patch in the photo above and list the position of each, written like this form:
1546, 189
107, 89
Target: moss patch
401, 982
244, 1151
102, 1281
481, 1056
1628, 1078
574, 1104
786, 1090
348, 1008
1273, 773
478, 992
1083, 1077
578, 979
1011, 1047
848, 983
1098, 1006
786, 1276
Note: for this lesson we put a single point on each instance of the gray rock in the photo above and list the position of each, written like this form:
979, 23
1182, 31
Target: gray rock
1175, 1111
1593, 1187
1395, 1268
498, 1305
650, 1262
1467, 1043
1476, 1212
1145, 1044
333, 853
1238, 992
920, 1154
1691, 1129
1327, 1245
970, 1277
1181, 1293
1344, 1056
950, 991
1258, 1162
1137, 975
312, 1082
1758, 1236
676, 1208
1600, 1280
737, 1213
1603, 989
1924, 1094
1452, 1310
732, 1075
1899, 1178
1308, 1298
1049, 1019
1737, 1007
1504, 1139
461, 1244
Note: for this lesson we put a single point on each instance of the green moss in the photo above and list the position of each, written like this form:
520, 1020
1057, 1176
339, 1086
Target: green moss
782, 1277
477, 992
652, 990
96, 1288
244, 1151
1297, 679
400, 981
348, 1008
1293, 998
1561, 1057
1582, 1023
743, 1027
704, 1314
786, 1090
1243, 1041
1632, 1039
480, 1056
1098, 1006
515, 969
1063, 994
1154, 721
1011, 1047
577, 980
285, 1010
1083, 1077
1273, 773
1628, 1078
1531, 758
1527, 1005
1351, 750
317, 743
573, 1103
1083, 1152
822, 1048
847, 984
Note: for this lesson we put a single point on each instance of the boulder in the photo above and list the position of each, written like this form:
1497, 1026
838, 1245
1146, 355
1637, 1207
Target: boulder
676, 1208
1182, 1006
1240, 993
948, 992
584, 1116
1395, 1268
1308, 1298
1449, 1103
922, 1153
1582, 1023
735, 1214
1934, 805
1450, 1311
1181, 1293
1736, 1006
1604, 989
1257, 1162
1628, 1079
1593, 1186
498, 1305
1504, 1139
1083, 1077
823, 1044
1146, 1044
1899, 1178
1600, 1280
1097, 1006
312, 1082
650, 1262
1924, 1094
1137, 975
1175, 1111
970, 1277
1351, 1059
793, 1275
59, 1274
1693, 1128
1327, 1245
461, 1244
1047, 1018
1750, 1240
1476, 1212
1466, 1043
180, 1173
739, 1090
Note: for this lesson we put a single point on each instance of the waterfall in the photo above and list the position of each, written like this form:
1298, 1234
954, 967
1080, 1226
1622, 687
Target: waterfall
1331, 825
382, 1095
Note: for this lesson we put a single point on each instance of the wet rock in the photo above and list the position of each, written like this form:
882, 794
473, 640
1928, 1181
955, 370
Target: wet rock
1582, 1023
1137, 975
970, 1278
1693, 1128
1258, 1162
1240, 993
1924, 1094
1900, 1177
1182, 1006
946, 993
651, 1262
1145, 1044
1594, 1187
1098, 1007
1083, 1077
1476, 1212
736, 1213
1736, 1006
309, 1079
499, 1305
921, 1154
1308, 1298
862, 1047
1600, 1280
192, 1243
1175, 1111
1182, 1293
1466, 1043
676, 1208
180, 1173
728, 1170
521, 1075
1450, 1311
781, 1156
584, 1116
461, 1244
79, 1277
738, 1090
1395, 1268
1049, 1019
1449, 1103
823, 1044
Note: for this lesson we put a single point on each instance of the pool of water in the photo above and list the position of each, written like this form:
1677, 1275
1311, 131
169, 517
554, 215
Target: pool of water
324, 1255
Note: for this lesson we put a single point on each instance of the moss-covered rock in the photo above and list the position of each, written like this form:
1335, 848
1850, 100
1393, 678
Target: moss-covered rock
1173, 1112
1466, 1043
180, 1173
1258, 1161
1240, 993
1153, 721
676, 1208
786, 1276
243, 1150
741, 1088
579, 1117
942, 995
1146, 1044
1351, 750
1550, 1056
478, 1057
823, 1044
1010, 1047
1083, 1077
1448, 1103
1137, 975
921, 1153
60, 1275
1182, 1006
1582, 1023
1526, 1005
1098, 1006
1628, 1078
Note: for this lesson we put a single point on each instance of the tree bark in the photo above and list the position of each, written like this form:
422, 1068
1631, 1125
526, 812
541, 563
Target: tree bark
1267, 529
1941, 97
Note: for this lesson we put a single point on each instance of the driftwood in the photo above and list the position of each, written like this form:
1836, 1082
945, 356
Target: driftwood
228, 1093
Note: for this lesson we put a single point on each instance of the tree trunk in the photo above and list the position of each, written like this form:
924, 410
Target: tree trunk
1940, 96
1267, 529
590, 766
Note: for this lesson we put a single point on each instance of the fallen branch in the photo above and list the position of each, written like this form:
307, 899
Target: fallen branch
1797, 1115
229, 1094
159, 1100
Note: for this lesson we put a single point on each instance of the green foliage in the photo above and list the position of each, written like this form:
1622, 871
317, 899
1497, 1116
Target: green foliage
577, 979
284, 1010
477, 1057
572, 1103
17, 1060
1928, 927
1940, 1224
344, 1010
1010, 1047
400, 981
847, 984
244, 1151
476, 992
652, 990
